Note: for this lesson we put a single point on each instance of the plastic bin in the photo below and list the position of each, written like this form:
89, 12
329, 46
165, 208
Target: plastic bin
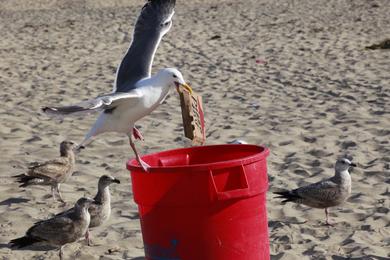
203, 203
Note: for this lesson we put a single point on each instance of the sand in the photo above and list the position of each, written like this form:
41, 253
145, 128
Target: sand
292, 75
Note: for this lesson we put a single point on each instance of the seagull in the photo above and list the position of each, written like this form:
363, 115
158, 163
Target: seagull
237, 141
326, 193
100, 209
136, 93
53, 172
59, 230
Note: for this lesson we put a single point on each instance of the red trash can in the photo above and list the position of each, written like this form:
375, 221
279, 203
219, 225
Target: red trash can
204, 203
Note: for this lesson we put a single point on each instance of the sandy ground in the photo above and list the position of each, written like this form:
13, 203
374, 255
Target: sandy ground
319, 95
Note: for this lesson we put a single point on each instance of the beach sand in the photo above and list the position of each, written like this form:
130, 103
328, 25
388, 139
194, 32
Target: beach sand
291, 75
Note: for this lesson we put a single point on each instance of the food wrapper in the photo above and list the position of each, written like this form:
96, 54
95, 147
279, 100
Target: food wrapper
193, 116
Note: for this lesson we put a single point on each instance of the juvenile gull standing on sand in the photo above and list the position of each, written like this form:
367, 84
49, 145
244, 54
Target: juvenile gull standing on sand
326, 193
59, 230
51, 173
100, 209
136, 93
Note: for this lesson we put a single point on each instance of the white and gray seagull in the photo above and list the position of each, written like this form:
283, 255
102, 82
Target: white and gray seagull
136, 93
326, 193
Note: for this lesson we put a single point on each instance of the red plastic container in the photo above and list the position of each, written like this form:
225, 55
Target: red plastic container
204, 203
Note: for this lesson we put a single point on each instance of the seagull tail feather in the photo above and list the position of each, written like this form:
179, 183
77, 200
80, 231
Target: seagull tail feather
23, 241
27, 180
18, 176
287, 196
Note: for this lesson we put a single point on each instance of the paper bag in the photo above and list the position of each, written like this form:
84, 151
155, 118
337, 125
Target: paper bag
193, 117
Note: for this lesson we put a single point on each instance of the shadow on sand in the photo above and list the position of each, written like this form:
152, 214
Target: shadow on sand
13, 201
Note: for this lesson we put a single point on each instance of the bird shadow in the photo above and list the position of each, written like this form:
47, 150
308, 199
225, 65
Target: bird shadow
336, 257
3, 245
37, 248
133, 217
32, 248
10, 201
276, 223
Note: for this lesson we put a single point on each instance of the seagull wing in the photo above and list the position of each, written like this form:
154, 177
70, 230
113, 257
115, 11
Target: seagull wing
93, 209
37, 165
103, 102
321, 191
153, 22
51, 169
51, 229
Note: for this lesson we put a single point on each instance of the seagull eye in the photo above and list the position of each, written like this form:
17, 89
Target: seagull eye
166, 23
174, 76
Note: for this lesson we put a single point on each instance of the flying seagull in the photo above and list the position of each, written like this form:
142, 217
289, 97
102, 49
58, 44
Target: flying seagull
100, 209
59, 230
51, 173
136, 93
326, 193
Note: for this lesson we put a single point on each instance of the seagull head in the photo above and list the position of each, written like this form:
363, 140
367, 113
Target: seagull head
106, 180
66, 146
84, 203
343, 164
173, 77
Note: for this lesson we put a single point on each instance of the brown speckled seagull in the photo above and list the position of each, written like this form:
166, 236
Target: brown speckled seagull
326, 193
59, 230
53, 172
100, 209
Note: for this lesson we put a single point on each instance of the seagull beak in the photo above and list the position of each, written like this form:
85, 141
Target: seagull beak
116, 181
183, 86
353, 165
78, 148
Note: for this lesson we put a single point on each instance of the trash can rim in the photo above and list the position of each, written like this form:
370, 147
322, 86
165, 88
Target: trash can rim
132, 164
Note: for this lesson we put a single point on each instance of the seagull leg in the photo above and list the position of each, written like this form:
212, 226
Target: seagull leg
59, 194
53, 193
87, 237
327, 218
143, 164
137, 134
61, 254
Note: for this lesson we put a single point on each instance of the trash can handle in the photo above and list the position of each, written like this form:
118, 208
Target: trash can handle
239, 192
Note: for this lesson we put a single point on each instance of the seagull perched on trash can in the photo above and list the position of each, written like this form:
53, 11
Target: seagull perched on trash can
136, 93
